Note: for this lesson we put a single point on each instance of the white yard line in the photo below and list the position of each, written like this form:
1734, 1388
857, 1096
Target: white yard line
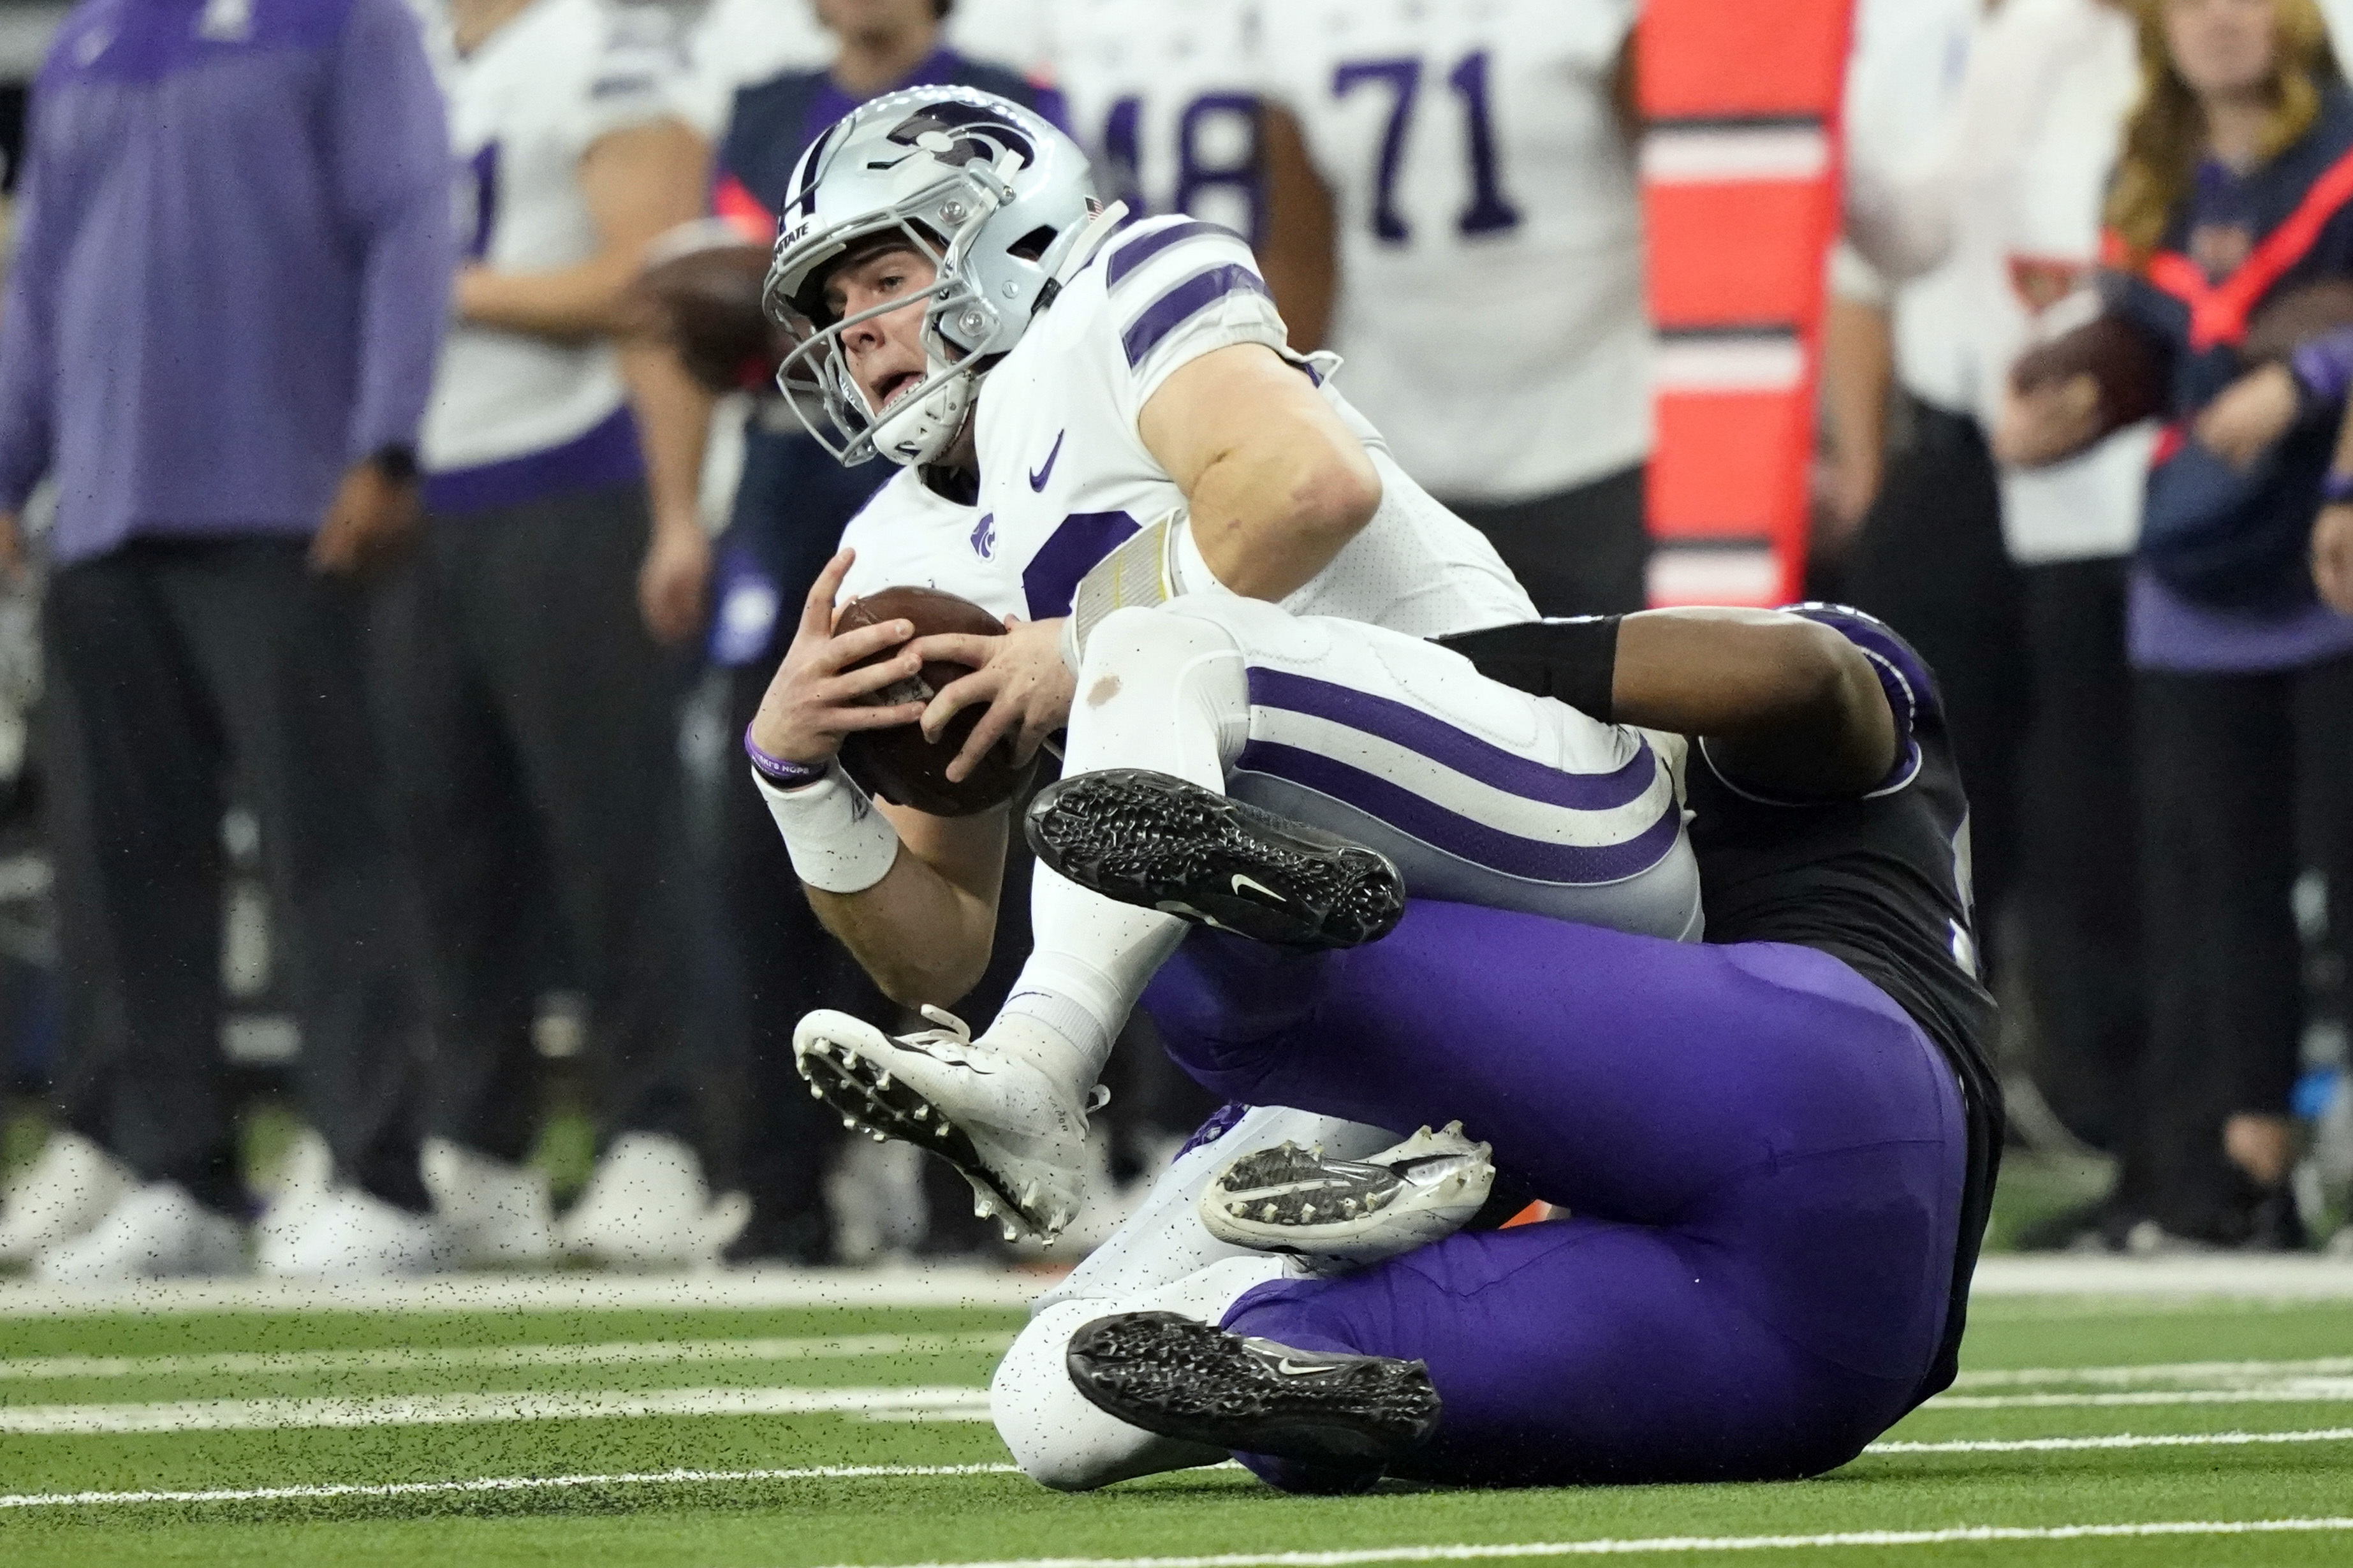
476, 1358
2162, 1372
2290, 1391
2124, 1280
497, 1484
2284, 1277
2118, 1440
1657, 1544
446, 1409
837, 1472
943, 1285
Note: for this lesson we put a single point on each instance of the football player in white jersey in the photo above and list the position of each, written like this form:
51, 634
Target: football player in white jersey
1146, 458
1163, 99
1446, 157
523, 670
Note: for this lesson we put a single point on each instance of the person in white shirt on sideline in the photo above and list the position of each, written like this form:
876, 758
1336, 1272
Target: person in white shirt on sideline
530, 682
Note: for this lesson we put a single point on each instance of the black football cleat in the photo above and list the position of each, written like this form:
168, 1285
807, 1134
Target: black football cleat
1184, 1378
1167, 844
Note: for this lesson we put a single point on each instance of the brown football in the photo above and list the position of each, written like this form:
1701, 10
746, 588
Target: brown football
708, 302
2123, 363
898, 763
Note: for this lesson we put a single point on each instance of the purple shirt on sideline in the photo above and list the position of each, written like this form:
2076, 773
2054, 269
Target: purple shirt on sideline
235, 249
2166, 631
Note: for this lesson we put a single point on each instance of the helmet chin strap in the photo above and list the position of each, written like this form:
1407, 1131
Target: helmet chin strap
1084, 245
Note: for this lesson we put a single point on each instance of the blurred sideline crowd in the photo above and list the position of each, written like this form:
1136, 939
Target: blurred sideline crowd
391, 570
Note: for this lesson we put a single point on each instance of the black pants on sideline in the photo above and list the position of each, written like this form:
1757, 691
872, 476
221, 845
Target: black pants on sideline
167, 664
1577, 551
1929, 561
532, 724
2078, 839
2227, 761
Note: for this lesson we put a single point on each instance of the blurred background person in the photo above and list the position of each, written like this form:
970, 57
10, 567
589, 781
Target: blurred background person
1918, 496
1453, 208
2003, 209
2243, 712
529, 652
234, 260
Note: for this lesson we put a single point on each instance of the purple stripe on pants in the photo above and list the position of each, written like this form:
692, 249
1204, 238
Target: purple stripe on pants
1460, 836
1765, 1157
1450, 747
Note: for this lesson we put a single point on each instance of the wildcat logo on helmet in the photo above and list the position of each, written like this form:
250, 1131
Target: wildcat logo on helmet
991, 194
959, 133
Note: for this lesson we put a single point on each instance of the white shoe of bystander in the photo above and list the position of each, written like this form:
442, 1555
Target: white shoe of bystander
498, 1215
65, 1192
648, 1206
156, 1232
354, 1235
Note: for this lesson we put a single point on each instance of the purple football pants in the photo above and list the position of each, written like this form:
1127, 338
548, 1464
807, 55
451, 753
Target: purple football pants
1763, 1155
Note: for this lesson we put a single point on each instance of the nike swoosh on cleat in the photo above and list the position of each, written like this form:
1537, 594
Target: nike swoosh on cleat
1289, 1368
1254, 885
1039, 477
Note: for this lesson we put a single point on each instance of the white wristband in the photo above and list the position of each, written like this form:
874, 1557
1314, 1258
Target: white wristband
839, 842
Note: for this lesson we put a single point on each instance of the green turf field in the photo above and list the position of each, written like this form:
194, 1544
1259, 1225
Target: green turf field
518, 1437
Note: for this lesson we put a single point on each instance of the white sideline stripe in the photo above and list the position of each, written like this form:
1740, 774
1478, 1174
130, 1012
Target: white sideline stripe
497, 1484
2127, 1284
925, 1285
1657, 1544
2158, 1371
835, 1472
2119, 1440
452, 1409
620, 1352
2307, 1277
2294, 1391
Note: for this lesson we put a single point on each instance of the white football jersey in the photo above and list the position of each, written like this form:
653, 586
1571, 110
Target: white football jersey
1490, 303
1065, 478
524, 107
1164, 99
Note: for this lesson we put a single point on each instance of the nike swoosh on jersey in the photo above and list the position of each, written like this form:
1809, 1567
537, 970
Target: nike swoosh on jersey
1039, 477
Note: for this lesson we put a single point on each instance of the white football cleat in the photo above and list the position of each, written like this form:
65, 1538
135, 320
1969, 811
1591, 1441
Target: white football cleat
498, 1215
72, 1186
351, 1236
156, 1232
993, 1115
648, 1206
1348, 1212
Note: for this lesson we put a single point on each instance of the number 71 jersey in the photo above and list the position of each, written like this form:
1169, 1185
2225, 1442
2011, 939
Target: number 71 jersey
1491, 250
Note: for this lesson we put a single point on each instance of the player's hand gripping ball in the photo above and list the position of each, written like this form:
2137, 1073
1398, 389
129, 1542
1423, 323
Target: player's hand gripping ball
897, 763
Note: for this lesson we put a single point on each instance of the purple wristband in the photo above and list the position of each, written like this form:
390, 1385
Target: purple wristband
2337, 488
777, 771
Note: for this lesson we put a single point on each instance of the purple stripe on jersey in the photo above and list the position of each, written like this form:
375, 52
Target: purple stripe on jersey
1051, 578
1456, 835
1180, 304
607, 455
1144, 247
1443, 744
1911, 695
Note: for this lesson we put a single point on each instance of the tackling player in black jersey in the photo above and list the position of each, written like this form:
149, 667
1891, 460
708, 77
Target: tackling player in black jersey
1774, 1148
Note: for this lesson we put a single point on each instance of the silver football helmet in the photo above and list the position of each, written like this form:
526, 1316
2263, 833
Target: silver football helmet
1000, 201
